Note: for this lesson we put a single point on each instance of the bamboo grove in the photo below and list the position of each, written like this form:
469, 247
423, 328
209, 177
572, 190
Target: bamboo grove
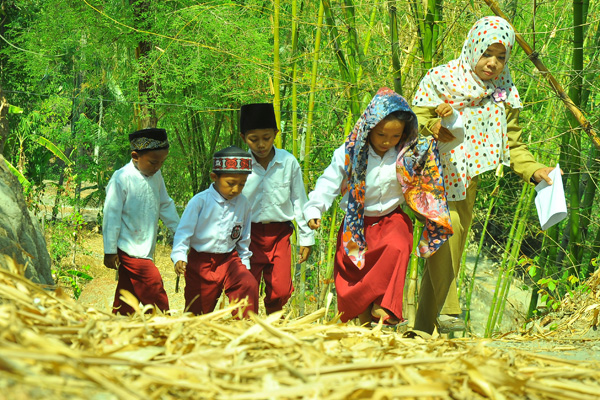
81, 74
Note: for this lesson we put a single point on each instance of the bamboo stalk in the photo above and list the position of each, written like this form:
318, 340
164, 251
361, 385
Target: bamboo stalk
534, 58
462, 270
397, 68
503, 268
535, 277
574, 158
331, 247
276, 71
294, 78
346, 65
311, 96
514, 254
411, 293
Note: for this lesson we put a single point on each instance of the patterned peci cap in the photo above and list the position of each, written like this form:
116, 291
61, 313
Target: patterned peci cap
232, 160
148, 139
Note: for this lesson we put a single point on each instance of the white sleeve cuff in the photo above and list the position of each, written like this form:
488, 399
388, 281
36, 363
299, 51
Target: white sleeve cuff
246, 262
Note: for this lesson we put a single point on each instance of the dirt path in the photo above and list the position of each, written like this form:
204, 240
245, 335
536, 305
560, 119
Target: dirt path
99, 293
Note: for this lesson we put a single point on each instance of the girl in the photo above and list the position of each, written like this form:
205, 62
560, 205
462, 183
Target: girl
381, 166
478, 86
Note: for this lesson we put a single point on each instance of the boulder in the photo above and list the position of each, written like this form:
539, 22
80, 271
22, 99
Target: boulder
21, 238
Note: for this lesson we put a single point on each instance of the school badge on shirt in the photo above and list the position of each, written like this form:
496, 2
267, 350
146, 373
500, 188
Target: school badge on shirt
236, 232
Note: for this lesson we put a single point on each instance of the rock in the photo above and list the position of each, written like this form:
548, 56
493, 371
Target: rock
20, 235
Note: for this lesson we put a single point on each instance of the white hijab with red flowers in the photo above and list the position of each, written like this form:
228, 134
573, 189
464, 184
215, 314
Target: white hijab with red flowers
480, 103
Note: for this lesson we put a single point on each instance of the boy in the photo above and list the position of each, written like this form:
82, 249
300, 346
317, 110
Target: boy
276, 193
136, 198
215, 229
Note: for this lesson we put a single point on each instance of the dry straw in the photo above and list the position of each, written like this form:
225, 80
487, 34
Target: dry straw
52, 348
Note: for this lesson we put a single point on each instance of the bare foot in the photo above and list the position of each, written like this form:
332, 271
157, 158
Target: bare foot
365, 317
381, 313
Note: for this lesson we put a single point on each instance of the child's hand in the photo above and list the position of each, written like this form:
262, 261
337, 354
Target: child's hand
180, 267
111, 261
440, 133
304, 253
443, 110
314, 223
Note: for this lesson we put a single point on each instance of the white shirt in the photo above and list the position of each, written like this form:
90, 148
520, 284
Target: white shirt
277, 193
134, 203
212, 224
383, 193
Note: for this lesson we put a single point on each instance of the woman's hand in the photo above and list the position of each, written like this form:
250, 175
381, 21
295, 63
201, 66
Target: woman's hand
542, 175
444, 110
440, 133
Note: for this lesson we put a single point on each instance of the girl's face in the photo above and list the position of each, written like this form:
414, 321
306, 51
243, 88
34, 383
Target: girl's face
491, 63
385, 135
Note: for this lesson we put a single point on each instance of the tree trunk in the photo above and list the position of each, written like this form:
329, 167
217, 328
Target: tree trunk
145, 112
3, 120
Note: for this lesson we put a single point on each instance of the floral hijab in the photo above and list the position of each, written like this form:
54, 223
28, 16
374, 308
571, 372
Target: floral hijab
480, 103
418, 172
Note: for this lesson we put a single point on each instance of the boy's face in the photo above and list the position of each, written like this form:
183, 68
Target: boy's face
491, 63
150, 162
229, 185
385, 135
260, 142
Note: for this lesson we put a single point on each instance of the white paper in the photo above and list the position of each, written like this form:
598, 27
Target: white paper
454, 124
550, 200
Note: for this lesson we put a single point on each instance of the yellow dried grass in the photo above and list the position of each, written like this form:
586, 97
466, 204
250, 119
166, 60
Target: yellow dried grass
50, 347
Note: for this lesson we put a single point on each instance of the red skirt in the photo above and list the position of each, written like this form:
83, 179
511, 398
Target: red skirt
140, 277
208, 274
381, 280
272, 260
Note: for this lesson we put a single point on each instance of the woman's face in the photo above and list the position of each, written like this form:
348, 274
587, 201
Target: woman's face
491, 63
385, 135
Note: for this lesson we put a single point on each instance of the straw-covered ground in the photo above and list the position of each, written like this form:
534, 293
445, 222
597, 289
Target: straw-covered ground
53, 347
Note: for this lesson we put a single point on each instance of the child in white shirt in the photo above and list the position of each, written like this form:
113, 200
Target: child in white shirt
211, 244
276, 192
136, 198
382, 165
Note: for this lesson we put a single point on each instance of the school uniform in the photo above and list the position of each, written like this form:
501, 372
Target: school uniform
388, 233
375, 239
134, 203
216, 232
277, 197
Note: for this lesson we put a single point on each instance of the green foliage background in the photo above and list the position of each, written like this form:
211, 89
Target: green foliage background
75, 68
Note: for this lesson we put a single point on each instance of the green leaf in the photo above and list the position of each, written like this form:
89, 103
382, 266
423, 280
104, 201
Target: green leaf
79, 274
14, 110
53, 148
20, 177
532, 270
552, 285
